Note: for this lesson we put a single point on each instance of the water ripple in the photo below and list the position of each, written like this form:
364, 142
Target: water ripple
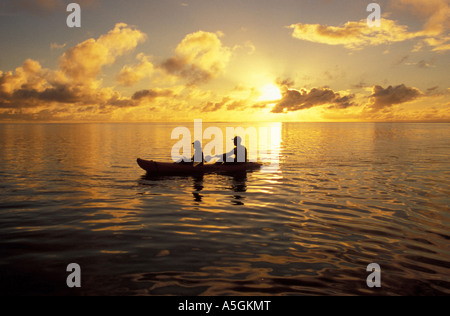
338, 202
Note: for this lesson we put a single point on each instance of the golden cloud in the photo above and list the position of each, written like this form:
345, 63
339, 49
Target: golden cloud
200, 57
357, 34
436, 14
129, 75
76, 82
84, 62
75, 88
353, 35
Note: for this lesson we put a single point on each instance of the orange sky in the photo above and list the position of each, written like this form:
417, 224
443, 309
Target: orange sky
225, 61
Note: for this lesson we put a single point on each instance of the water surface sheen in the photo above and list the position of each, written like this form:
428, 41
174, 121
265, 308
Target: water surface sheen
345, 196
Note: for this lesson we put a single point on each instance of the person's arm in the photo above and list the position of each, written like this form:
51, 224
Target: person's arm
228, 155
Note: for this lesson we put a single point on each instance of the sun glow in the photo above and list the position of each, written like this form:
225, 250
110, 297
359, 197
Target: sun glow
270, 92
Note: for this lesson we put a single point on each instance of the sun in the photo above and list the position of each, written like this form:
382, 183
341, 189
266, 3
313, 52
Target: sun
270, 92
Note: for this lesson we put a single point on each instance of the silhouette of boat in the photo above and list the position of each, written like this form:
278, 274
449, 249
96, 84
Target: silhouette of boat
161, 168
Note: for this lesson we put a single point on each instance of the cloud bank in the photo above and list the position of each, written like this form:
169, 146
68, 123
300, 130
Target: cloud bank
76, 82
173, 86
76, 89
295, 100
381, 104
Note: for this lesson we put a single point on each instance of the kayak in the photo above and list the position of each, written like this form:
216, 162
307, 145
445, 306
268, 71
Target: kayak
161, 168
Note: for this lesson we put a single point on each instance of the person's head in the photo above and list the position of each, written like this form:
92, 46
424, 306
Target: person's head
237, 141
197, 144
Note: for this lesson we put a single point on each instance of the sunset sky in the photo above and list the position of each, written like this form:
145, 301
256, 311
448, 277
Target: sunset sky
246, 60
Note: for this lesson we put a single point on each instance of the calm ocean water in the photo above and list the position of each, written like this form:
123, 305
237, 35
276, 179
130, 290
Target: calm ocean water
344, 196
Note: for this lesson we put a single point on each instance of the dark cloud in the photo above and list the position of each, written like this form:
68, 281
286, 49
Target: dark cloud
42, 115
259, 106
151, 94
192, 73
226, 103
285, 83
424, 64
361, 85
238, 105
437, 92
385, 98
343, 102
432, 90
213, 107
294, 100
401, 60
57, 94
